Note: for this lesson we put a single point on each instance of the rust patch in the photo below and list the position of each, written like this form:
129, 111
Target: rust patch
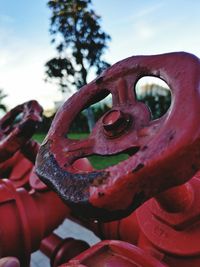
144, 148
171, 136
72, 187
99, 180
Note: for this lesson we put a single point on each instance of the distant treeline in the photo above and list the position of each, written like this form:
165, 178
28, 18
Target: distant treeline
157, 98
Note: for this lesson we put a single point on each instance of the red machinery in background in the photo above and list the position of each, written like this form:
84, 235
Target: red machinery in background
29, 211
17, 151
115, 202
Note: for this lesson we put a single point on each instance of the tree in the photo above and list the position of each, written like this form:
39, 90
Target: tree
80, 43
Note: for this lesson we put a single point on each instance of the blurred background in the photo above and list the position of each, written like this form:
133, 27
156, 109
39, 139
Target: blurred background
50, 49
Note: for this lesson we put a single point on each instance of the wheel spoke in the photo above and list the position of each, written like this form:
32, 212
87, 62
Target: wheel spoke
78, 149
123, 93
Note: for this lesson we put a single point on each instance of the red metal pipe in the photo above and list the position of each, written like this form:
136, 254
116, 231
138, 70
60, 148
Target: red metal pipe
176, 199
26, 218
173, 235
61, 250
49, 244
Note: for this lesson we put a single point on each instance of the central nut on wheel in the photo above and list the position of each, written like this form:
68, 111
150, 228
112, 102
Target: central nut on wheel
115, 122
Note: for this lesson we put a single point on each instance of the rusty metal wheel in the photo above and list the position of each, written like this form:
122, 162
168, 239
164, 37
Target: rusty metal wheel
163, 152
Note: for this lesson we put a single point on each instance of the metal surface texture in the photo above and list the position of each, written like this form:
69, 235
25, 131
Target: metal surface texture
175, 235
163, 152
169, 232
114, 254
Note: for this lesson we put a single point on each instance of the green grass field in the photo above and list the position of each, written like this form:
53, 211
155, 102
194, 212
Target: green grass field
39, 137
98, 162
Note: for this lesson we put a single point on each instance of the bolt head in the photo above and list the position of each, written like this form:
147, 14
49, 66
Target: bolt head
114, 123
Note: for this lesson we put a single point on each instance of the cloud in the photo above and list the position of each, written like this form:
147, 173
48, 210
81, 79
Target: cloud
22, 67
148, 11
140, 13
144, 31
22, 73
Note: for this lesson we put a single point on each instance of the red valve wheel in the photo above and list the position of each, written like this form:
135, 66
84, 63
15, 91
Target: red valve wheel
163, 152
17, 127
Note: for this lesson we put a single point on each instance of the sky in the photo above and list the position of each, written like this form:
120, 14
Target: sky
137, 27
